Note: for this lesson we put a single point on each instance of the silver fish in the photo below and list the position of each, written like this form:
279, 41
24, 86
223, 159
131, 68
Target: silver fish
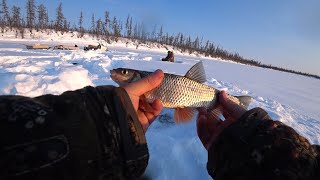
183, 93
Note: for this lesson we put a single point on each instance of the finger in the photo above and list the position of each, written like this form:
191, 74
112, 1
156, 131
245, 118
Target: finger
157, 107
215, 133
228, 118
143, 120
235, 110
213, 124
142, 105
202, 111
202, 129
145, 106
211, 121
145, 84
213, 137
215, 114
226, 114
150, 116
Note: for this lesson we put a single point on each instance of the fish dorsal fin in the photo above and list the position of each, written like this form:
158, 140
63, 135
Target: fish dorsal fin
196, 73
183, 114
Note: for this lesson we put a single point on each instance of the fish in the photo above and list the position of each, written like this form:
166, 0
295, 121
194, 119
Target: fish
185, 93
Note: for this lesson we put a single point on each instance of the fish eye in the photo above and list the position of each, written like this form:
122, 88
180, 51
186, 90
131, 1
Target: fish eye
124, 72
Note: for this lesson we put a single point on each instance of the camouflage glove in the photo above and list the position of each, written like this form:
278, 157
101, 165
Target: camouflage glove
256, 147
85, 134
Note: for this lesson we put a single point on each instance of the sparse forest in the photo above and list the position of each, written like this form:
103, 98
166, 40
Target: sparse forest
112, 28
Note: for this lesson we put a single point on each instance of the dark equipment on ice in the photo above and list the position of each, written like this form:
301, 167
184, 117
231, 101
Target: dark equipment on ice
170, 57
63, 47
93, 47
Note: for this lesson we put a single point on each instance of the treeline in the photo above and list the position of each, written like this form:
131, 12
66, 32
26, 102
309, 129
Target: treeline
112, 28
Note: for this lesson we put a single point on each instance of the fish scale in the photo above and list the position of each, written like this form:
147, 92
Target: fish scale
178, 91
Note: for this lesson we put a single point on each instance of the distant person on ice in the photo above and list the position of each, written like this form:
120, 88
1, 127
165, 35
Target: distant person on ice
99, 133
170, 57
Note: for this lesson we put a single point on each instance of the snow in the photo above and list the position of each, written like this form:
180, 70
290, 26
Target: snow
175, 150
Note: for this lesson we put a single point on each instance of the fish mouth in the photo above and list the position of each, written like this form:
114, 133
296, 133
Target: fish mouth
112, 74
115, 77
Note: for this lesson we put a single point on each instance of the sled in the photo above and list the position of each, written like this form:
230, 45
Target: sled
38, 46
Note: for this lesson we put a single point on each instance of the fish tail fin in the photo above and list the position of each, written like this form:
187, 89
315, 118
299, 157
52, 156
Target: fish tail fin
244, 101
182, 115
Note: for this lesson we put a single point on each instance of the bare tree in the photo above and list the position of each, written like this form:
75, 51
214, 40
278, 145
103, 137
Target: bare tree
74, 27
176, 40
106, 23
81, 23
99, 27
154, 33
181, 39
129, 26
66, 25
116, 27
16, 17
144, 33
93, 25
21, 29
47, 19
31, 14
5, 11
196, 43
42, 17
59, 18
136, 31
188, 42
160, 34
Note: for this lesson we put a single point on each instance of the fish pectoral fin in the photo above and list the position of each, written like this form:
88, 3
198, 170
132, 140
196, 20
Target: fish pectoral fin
215, 113
197, 73
183, 114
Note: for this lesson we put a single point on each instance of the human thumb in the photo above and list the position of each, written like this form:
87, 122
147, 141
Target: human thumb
235, 110
145, 84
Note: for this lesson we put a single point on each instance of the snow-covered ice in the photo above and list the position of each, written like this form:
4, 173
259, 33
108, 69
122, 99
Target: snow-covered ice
175, 150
